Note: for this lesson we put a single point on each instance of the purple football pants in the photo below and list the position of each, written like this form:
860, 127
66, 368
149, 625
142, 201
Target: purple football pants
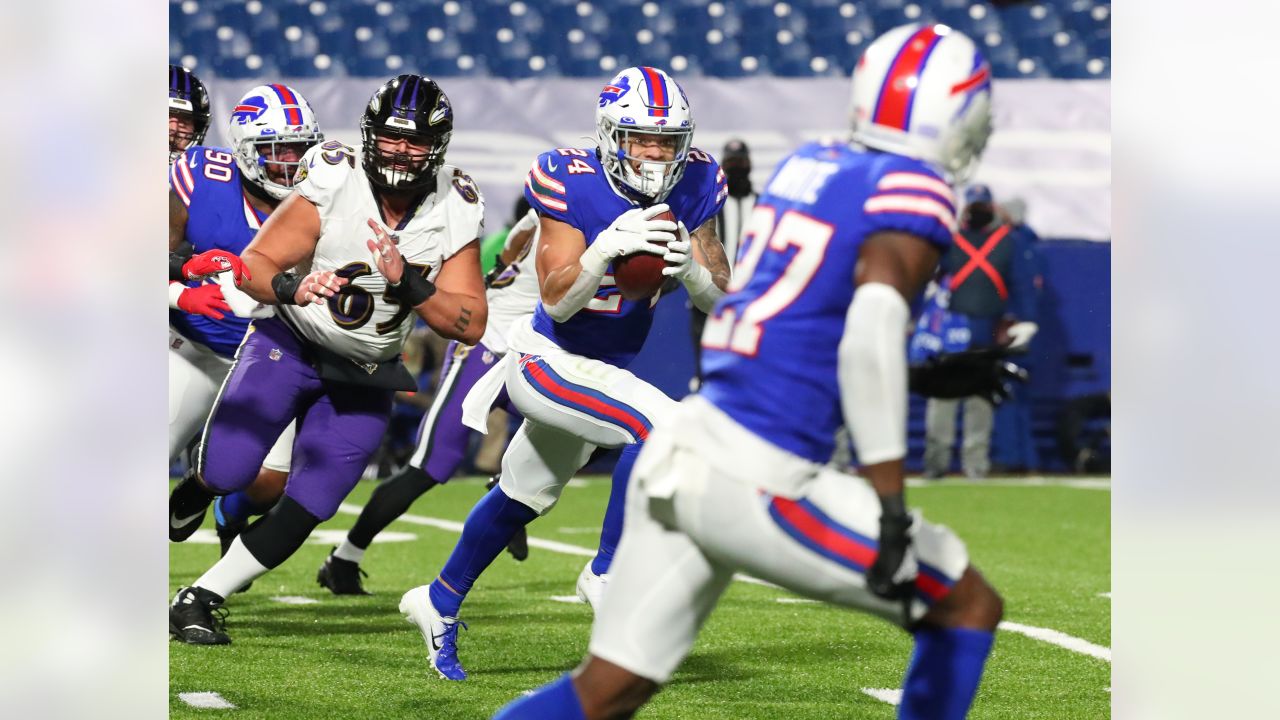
442, 438
271, 384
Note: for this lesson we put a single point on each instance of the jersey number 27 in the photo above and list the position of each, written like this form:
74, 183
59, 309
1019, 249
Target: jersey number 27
740, 331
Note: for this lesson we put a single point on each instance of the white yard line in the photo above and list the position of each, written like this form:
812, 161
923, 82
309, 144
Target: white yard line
1053, 637
294, 600
1060, 639
888, 695
570, 599
206, 700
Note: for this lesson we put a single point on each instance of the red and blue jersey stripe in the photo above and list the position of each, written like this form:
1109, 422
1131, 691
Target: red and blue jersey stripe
659, 96
898, 94
292, 115
549, 384
812, 528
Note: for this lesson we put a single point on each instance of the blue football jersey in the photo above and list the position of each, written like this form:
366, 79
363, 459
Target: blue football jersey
569, 185
219, 215
770, 347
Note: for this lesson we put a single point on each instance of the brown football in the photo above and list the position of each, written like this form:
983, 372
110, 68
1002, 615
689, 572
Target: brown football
639, 275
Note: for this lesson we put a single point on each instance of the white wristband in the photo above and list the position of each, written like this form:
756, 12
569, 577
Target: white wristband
702, 288
175, 289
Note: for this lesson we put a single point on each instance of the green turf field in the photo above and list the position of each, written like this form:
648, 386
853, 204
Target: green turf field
1046, 548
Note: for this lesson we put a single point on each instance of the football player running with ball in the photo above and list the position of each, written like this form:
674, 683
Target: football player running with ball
564, 370
348, 258
811, 334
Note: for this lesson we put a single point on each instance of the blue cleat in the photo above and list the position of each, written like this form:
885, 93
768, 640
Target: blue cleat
439, 632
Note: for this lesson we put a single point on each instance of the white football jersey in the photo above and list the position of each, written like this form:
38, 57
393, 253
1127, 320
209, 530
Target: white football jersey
513, 295
362, 322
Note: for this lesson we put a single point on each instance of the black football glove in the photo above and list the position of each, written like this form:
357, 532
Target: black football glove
892, 575
986, 373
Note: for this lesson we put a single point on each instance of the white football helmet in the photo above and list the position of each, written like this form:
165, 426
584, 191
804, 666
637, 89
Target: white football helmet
924, 91
643, 101
268, 118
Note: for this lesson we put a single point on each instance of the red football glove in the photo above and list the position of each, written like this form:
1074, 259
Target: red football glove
212, 262
204, 300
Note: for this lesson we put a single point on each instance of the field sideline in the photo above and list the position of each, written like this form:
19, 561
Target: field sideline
1045, 544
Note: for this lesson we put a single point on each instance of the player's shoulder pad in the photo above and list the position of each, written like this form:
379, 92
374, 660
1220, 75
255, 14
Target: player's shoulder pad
551, 176
187, 172
705, 172
909, 195
464, 203
324, 168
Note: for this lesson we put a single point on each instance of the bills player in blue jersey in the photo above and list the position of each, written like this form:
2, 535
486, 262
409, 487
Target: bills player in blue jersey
811, 335
218, 199
564, 370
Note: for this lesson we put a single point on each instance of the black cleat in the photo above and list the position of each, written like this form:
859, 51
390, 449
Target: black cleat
187, 505
342, 577
518, 546
197, 617
227, 534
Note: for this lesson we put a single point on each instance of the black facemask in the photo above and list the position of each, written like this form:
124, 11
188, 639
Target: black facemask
739, 180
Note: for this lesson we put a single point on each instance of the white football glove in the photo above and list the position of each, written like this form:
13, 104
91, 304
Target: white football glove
633, 231
679, 255
1020, 334
696, 278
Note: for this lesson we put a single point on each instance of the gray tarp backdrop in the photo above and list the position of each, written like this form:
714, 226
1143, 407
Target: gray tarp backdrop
1052, 144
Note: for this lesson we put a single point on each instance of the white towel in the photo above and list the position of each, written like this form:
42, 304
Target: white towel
476, 406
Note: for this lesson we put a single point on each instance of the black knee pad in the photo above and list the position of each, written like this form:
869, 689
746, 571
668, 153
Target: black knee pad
276, 536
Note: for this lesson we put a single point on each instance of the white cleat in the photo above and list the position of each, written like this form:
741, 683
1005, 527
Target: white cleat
438, 632
591, 586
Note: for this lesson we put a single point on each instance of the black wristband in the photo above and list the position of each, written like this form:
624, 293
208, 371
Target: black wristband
892, 506
178, 258
413, 289
285, 286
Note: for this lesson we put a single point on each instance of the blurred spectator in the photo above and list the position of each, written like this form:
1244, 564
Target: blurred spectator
492, 244
735, 161
1015, 449
987, 296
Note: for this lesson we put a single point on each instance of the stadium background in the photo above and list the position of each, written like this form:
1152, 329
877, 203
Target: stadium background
523, 77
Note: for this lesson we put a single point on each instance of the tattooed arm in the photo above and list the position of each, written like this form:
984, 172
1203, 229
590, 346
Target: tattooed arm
699, 262
457, 310
708, 251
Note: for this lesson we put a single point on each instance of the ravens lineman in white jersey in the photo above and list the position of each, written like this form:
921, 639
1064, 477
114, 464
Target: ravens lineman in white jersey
564, 370
442, 438
811, 334
347, 259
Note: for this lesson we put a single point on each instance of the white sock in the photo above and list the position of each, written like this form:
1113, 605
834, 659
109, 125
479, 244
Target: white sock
349, 552
237, 568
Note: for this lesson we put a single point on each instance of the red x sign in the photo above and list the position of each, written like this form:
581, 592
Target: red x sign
978, 261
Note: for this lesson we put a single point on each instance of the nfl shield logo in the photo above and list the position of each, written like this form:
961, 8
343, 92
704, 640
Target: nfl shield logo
274, 354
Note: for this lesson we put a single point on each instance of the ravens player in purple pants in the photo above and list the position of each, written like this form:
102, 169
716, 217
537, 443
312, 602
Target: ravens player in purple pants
346, 259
